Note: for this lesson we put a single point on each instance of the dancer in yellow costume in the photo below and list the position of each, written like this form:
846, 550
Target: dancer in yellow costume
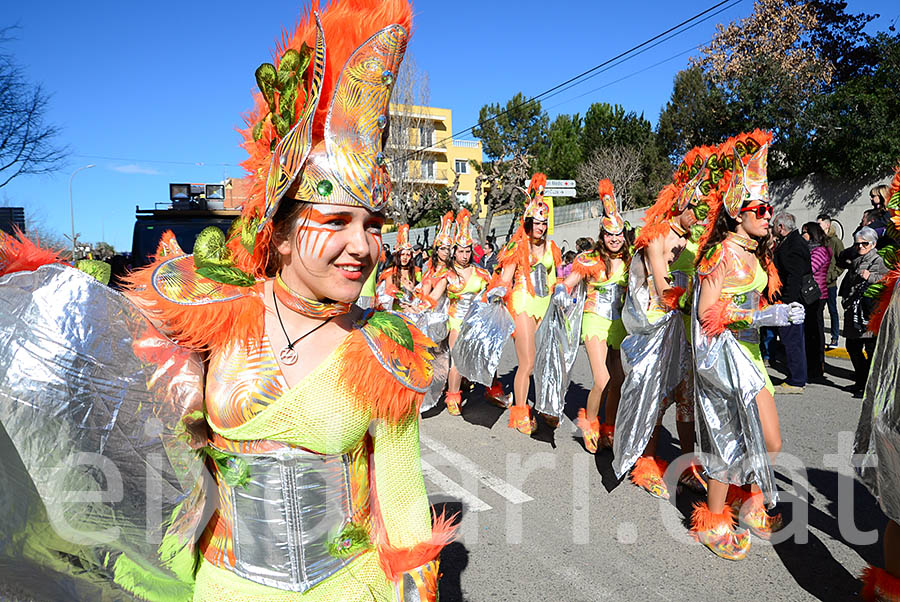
605, 270
525, 277
738, 431
311, 404
464, 283
397, 284
438, 265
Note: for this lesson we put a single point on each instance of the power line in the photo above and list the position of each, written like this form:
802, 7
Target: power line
586, 74
193, 163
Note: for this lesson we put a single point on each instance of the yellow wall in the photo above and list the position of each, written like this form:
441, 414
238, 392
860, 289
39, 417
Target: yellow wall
445, 150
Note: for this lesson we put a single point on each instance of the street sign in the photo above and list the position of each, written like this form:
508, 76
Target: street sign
559, 192
556, 184
560, 183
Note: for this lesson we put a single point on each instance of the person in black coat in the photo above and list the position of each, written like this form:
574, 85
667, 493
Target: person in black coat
793, 261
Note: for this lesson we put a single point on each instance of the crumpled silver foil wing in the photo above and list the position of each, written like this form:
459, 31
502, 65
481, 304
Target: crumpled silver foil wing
877, 446
556, 340
98, 468
656, 359
729, 433
440, 367
485, 331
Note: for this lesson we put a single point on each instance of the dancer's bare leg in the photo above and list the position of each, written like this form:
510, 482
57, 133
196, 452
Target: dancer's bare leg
526, 326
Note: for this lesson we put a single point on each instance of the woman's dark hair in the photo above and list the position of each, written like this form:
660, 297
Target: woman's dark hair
396, 277
600, 248
583, 244
569, 257
723, 225
528, 224
816, 234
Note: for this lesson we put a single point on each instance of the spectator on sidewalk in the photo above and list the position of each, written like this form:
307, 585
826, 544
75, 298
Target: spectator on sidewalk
834, 272
865, 267
489, 259
814, 327
793, 262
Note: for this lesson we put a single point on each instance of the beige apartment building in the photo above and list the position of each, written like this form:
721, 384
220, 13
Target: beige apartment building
435, 157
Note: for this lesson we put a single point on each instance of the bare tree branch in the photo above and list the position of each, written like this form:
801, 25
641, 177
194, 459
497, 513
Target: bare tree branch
27, 142
621, 164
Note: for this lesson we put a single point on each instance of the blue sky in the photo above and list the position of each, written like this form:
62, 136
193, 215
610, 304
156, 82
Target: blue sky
152, 92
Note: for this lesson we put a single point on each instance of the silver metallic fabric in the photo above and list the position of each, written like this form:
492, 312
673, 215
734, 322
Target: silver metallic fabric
366, 302
729, 433
432, 322
556, 341
747, 301
99, 425
877, 446
656, 358
292, 505
440, 366
485, 331
382, 299
605, 301
539, 280
463, 303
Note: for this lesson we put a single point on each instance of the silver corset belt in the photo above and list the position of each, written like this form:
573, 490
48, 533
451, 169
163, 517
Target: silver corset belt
606, 301
463, 303
292, 504
539, 280
747, 301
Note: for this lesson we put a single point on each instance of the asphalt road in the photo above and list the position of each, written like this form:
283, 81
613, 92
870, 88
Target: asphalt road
544, 520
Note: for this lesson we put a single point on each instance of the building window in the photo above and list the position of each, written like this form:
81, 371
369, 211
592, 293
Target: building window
426, 135
463, 197
462, 166
428, 170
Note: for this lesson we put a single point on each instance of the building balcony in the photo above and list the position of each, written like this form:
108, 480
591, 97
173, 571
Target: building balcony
438, 147
466, 143
437, 177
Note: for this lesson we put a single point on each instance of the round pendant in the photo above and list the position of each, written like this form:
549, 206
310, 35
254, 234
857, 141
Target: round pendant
288, 356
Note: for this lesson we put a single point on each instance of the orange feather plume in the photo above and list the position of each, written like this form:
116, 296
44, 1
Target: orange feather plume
347, 24
18, 254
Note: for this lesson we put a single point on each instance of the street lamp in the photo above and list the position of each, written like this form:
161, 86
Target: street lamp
72, 207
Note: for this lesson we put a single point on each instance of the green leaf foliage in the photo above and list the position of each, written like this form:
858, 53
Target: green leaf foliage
226, 275
210, 248
394, 327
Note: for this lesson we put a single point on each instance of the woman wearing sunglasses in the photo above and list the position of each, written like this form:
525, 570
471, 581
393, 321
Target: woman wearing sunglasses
525, 277
737, 423
865, 267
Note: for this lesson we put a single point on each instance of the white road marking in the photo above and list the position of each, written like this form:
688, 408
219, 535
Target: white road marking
511, 493
450, 487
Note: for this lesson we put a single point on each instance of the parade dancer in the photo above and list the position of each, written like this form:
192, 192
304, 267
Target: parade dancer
397, 285
878, 433
656, 350
605, 270
737, 423
293, 404
437, 266
464, 283
525, 276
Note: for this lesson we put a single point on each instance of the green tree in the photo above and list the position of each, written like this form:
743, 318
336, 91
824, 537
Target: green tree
561, 154
610, 125
857, 123
517, 128
696, 114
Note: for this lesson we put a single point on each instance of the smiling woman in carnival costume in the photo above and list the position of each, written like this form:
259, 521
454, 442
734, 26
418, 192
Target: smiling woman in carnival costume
462, 285
737, 422
605, 270
525, 276
438, 265
877, 446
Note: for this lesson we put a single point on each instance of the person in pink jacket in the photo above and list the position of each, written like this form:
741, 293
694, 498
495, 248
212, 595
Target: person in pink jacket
814, 327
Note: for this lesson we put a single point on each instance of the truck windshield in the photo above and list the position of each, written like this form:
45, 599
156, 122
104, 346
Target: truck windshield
147, 235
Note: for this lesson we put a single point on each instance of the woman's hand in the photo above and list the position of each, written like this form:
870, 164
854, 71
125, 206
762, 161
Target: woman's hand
865, 274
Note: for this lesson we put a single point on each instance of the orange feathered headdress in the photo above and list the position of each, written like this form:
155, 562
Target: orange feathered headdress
444, 236
691, 184
463, 235
318, 123
536, 207
403, 243
745, 157
612, 221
